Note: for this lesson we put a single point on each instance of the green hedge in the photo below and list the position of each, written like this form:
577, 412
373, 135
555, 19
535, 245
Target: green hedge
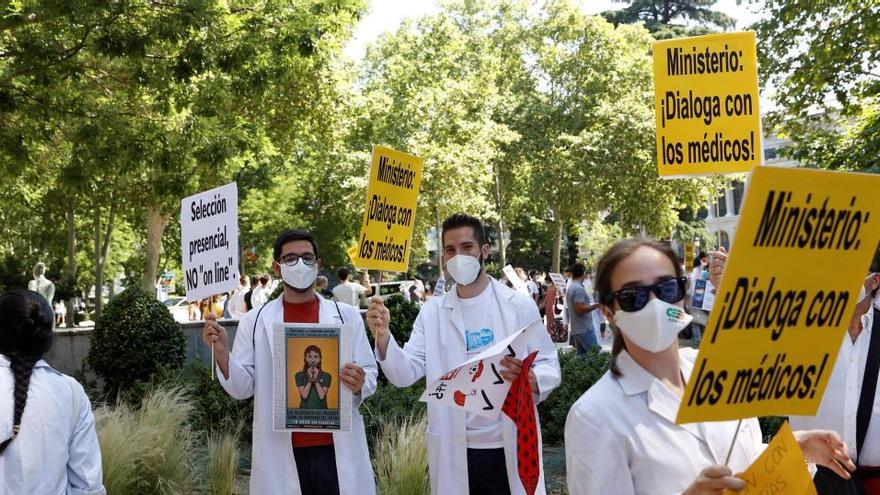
135, 338
578, 374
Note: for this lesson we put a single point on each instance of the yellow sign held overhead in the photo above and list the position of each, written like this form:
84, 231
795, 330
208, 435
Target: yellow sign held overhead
781, 468
706, 105
803, 246
392, 194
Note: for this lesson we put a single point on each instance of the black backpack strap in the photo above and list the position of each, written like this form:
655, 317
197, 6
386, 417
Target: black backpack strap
869, 384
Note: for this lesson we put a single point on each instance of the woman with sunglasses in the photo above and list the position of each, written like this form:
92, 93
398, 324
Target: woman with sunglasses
620, 436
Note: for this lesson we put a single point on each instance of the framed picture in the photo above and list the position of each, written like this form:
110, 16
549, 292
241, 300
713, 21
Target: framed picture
307, 392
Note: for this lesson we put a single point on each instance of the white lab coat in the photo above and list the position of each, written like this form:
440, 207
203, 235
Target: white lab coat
57, 451
437, 345
273, 468
621, 437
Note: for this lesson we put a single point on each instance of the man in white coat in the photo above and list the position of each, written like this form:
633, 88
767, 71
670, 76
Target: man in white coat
468, 453
301, 463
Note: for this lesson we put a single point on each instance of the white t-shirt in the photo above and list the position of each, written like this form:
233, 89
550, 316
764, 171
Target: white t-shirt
349, 293
481, 318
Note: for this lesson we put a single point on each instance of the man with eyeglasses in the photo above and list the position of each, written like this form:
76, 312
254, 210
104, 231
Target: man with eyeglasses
298, 463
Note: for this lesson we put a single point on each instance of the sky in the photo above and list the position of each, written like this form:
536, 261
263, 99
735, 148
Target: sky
386, 16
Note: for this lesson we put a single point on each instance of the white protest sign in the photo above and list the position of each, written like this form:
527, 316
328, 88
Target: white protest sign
514, 279
209, 242
440, 287
559, 282
476, 385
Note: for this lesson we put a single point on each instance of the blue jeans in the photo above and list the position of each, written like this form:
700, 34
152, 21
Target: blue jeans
583, 342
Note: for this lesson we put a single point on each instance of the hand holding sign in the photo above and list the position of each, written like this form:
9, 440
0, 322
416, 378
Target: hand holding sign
713, 479
209, 245
379, 321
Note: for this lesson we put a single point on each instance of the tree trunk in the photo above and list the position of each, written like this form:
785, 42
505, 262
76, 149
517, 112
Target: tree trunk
71, 260
156, 223
502, 247
102, 249
557, 244
439, 246
502, 255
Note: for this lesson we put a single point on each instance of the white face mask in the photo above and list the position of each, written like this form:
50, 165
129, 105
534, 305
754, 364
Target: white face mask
299, 276
655, 327
463, 269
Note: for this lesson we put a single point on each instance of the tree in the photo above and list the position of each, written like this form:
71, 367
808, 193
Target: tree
431, 89
823, 58
660, 17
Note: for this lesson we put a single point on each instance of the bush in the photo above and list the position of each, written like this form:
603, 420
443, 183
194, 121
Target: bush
403, 315
579, 373
392, 405
149, 450
222, 469
134, 338
213, 408
401, 459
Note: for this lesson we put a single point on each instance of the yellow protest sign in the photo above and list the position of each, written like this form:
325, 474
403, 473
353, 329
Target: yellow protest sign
706, 105
780, 469
803, 246
689, 255
389, 216
352, 254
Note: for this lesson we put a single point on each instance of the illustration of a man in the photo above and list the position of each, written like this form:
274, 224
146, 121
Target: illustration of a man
312, 381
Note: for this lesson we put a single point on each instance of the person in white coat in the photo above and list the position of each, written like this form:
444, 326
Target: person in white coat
620, 435
468, 453
301, 463
851, 401
48, 442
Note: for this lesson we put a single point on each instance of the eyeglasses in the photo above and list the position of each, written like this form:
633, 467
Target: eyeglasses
632, 299
291, 259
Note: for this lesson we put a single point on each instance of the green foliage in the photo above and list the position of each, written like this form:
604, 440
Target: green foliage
401, 458
822, 58
149, 449
391, 405
769, 426
659, 16
134, 338
403, 315
222, 469
212, 408
579, 373
13, 273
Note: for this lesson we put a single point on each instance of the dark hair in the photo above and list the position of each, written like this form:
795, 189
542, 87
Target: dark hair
460, 220
264, 279
242, 279
26, 321
306, 352
609, 260
578, 270
567, 269
342, 274
292, 235
532, 273
254, 281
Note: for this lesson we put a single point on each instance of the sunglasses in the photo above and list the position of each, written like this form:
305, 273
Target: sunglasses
632, 299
